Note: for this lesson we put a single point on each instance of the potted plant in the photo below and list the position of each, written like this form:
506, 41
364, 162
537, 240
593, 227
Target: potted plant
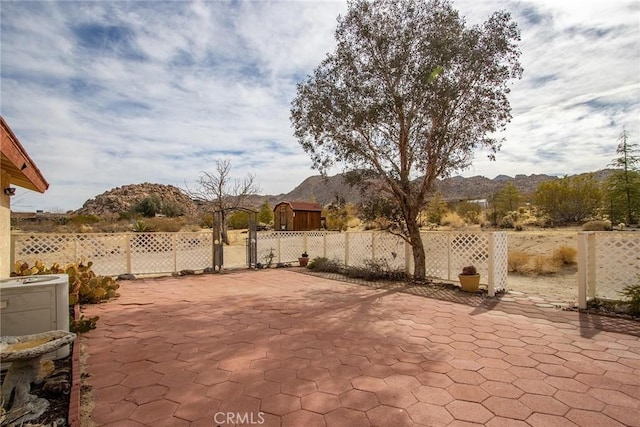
469, 279
304, 259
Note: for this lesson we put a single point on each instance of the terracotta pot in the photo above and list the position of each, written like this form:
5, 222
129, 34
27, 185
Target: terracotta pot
469, 283
303, 261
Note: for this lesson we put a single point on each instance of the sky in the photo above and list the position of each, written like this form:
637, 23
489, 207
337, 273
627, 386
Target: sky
107, 93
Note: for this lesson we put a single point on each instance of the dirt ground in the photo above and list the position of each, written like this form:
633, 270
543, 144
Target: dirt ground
561, 286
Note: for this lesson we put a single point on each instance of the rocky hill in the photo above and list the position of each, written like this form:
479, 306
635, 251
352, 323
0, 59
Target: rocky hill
121, 199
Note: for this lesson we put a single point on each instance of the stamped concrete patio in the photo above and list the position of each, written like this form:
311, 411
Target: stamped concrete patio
282, 348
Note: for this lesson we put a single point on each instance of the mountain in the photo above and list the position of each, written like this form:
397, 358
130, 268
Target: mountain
314, 188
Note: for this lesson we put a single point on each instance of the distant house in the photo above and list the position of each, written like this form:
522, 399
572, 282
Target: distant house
297, 216
16, 168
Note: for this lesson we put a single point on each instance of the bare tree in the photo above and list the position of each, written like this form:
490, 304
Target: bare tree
406, 97
219, 191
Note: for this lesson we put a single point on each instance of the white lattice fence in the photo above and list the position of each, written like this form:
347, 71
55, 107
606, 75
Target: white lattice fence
335, 246
117, 253
607, 262
446, 252
390, 249
436, 248
193, 251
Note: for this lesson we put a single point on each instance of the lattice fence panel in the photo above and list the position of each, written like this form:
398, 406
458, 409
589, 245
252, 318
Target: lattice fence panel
335, 247
194, 251
108, 252
291, 245
48, 248
617, 258
152, 253
390, 249
436, 248
267, 243
315, 244
469, 248
500, 263
360, 248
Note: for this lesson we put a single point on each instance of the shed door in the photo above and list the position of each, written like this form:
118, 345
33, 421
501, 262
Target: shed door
283, 217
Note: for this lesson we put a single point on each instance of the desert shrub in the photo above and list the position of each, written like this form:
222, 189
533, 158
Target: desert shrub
206, 221
238, 220
596, 226
84, 219
375, 269
544, 265
509, 220
141, 226
165, 225
632, 294
471, 212
565, 255
453, 220
517, 261
325, 264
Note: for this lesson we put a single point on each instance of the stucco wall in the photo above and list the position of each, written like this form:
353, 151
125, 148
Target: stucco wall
5, 227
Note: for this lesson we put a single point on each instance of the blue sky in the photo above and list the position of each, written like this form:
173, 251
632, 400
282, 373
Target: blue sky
108, 93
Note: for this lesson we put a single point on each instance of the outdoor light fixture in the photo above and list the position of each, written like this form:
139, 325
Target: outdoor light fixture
10, 191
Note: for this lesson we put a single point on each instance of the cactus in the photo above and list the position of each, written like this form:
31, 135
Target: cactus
85, 286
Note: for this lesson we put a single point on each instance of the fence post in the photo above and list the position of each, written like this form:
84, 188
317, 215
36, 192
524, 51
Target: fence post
582, 270
324, 244
346, 248
491, 278
449, 238
591, 265
305, 237
175, 252
127, 251
279, 252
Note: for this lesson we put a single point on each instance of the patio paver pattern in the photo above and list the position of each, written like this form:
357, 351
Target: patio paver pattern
279, 348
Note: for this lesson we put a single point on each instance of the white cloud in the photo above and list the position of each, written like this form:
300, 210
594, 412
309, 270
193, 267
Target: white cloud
109, 93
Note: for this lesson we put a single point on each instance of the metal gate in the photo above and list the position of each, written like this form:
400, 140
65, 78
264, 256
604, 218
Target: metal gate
219, 227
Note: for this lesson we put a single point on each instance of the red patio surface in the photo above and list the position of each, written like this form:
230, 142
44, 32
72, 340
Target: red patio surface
279, 348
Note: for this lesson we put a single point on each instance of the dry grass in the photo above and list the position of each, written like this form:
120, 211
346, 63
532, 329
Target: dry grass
452, 220
565, 255
544, 265
517, 261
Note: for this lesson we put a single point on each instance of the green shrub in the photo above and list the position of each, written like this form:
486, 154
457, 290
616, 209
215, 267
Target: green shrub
632, 294
596, 226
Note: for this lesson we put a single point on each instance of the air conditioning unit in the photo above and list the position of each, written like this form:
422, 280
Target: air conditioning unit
34, 304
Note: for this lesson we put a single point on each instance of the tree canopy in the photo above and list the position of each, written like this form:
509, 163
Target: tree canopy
570, 199
409, 92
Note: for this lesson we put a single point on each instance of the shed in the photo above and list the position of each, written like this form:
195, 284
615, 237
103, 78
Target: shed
17, 168
297, 216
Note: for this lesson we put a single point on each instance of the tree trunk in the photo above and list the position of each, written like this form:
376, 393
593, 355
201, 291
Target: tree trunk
419, 259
